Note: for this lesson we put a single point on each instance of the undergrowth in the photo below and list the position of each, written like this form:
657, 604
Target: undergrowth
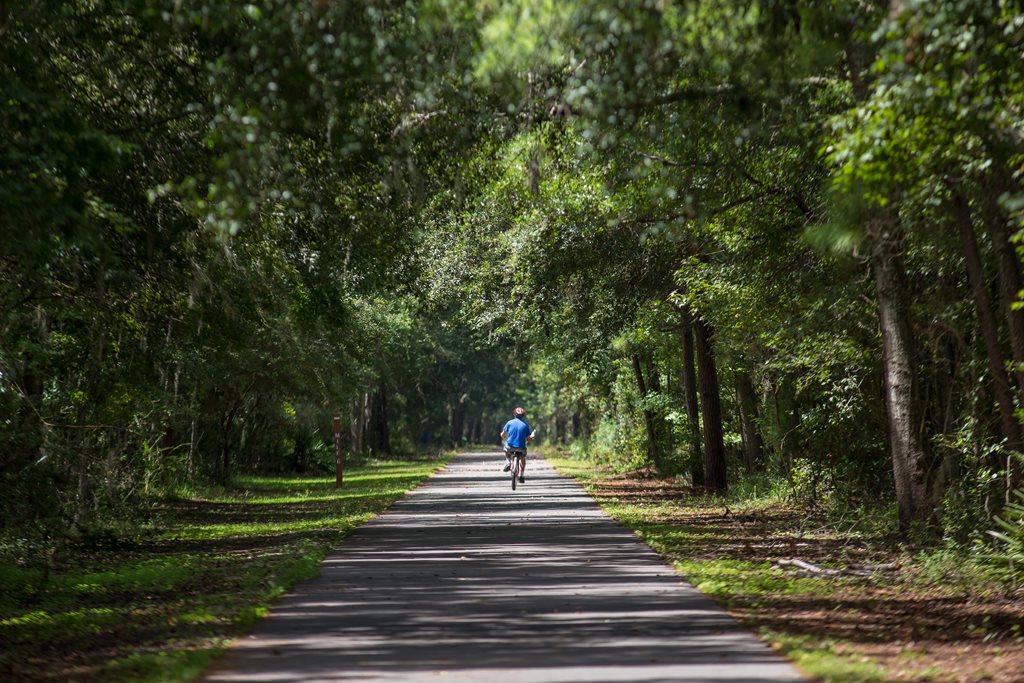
160, 602
729, 546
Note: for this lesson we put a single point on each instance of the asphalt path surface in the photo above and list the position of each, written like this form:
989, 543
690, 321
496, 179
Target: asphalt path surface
467, 580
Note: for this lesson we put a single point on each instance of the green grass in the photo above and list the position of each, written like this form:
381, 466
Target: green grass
731, 581
821, 659
164, 665
709, 555
205, 568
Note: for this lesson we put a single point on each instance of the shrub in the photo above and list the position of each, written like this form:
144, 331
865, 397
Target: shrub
1008, 555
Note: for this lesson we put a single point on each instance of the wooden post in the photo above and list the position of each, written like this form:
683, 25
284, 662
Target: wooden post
339, 466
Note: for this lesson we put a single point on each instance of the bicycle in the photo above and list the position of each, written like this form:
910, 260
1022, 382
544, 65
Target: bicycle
518, 456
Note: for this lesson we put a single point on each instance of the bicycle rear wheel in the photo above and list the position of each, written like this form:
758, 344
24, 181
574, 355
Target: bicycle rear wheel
514, 470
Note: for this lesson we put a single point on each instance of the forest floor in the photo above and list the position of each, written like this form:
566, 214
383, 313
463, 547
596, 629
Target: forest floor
160, 601
892, 615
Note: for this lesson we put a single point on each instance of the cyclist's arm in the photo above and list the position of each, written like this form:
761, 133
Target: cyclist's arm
532, 436
504, 435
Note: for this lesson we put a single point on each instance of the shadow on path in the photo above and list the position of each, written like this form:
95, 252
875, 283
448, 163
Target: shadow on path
467, 580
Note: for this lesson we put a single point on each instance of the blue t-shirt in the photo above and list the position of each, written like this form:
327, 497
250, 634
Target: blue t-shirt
517, 432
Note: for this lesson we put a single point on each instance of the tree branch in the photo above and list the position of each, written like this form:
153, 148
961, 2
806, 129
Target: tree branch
415, 120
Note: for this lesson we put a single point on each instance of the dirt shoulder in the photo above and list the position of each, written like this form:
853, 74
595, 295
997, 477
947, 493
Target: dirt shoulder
887, 614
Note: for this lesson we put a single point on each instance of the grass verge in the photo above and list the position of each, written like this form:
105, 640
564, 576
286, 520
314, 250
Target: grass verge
161, 605
910, 616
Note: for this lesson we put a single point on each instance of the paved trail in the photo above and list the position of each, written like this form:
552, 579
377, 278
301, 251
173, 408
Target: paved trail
466, 580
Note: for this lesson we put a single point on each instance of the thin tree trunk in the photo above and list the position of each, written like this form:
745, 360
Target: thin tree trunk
689, 381
1010, 285
372, 423
986, 319
357, 425
652, 436
380, 436
365, 409
193, 428
458, 418
908, 445
477, 427
711, 407
227, 440
753, 446
1010, 281
653, 378
84, 496
788, 421
654, 385
30, 428
225, 459
471, 420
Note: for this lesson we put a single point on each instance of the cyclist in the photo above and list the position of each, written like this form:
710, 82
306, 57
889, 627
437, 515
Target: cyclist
516, 434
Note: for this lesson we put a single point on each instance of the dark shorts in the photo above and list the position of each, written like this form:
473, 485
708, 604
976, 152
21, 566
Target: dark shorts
512, 451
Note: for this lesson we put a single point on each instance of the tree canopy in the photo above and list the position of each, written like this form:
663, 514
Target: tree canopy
723, 239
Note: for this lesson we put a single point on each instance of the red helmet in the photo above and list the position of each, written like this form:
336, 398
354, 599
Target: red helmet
519, 412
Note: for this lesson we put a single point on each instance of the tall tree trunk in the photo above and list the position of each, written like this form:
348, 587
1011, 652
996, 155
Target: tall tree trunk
1010, 285
653, 378
29, 428
380, 437
227, 436
1010, 281
468, 426
458, 418
652, 435
1010, 427
654, 385
193, 432
225, 458
385, 429
560, 426
908, 444
788, 422
372, 423
366, 415
357, 426
84, 496
477, 427
711, 407
688, 377
753, 446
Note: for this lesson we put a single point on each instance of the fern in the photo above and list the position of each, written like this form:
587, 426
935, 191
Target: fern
1009, 552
